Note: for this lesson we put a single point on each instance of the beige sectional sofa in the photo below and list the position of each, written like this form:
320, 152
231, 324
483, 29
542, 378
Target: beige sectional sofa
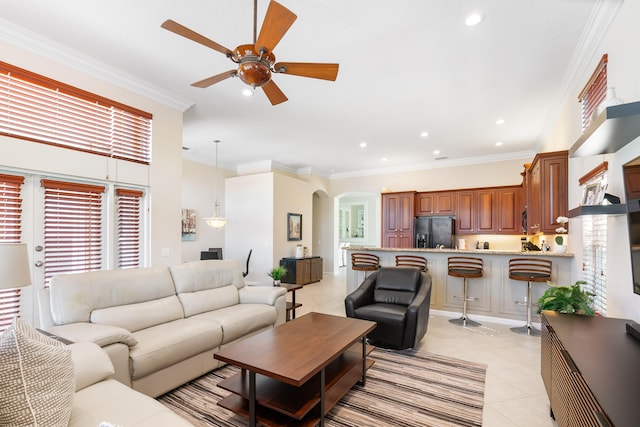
160, 326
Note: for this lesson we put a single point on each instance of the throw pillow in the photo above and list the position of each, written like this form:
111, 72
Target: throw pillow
37, 378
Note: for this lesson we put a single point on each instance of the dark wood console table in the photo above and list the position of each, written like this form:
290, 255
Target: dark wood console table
591, 370
302, 271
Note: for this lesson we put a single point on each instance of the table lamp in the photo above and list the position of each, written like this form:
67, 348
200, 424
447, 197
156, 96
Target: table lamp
14, 266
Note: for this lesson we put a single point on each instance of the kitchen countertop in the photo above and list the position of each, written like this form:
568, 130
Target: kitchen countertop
464, 251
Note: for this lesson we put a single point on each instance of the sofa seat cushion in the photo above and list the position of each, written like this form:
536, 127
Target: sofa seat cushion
241, 319
169, 343
117, 404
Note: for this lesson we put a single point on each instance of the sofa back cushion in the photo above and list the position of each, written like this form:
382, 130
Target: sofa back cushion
396, 285
207, 285
134, 317
75, 296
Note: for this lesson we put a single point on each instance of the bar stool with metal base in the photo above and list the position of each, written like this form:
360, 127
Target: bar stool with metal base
529, 270
364, 262
411, 261
467, 268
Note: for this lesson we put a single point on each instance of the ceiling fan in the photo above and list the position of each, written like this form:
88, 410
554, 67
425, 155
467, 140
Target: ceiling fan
256, 62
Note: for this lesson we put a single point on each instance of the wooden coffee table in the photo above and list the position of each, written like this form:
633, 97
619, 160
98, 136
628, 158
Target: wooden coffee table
293, 374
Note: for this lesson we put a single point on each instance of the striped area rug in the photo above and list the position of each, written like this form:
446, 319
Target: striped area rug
404, 388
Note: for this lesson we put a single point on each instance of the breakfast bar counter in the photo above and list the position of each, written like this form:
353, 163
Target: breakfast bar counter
495, 292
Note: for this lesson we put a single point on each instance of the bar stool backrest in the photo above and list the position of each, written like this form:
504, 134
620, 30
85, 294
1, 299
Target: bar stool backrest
530, 269
364, 262
465, 267
411, 261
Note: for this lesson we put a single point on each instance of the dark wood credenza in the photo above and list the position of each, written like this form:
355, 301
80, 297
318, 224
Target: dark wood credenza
591, 370
302, 271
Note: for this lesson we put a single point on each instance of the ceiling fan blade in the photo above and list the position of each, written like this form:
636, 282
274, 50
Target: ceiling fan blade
183, 31
214, 79
308, 69
274, 93
276, 23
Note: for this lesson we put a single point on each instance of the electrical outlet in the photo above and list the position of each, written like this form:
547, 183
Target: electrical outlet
165, 252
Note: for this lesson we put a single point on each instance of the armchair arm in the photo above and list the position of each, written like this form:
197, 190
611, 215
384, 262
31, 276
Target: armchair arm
260, 294
103, 335
418, 312
361, 296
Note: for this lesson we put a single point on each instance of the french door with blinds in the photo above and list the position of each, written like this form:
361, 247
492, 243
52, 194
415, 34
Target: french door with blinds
70, 227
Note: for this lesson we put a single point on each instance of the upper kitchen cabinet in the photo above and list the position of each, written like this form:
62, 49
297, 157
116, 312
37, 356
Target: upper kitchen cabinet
510, 204
397, 219
440, 203
476, 212
547, 191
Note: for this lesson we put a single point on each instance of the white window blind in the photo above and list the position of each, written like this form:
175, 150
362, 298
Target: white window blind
129, 219
594, 92
594, 259
10, 232
73, 227
36, 108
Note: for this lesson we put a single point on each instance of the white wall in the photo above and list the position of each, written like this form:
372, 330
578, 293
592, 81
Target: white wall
198, 192
621, 45
250, 209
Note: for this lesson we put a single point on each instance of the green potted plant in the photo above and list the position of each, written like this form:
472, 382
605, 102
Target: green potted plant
567, 299
276, 274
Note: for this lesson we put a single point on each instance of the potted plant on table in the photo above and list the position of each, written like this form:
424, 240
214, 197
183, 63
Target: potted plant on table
567, 299
276, 274
560, 246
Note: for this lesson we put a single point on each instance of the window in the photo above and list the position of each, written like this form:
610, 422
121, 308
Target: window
10, 232
129, 222
594, 259
40, 109
73, 227
594, 92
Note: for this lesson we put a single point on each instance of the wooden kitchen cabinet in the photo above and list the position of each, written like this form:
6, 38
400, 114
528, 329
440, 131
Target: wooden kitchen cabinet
632, 181
436, 203
509, 207
397, 219
476, 212
547, 191
302, 271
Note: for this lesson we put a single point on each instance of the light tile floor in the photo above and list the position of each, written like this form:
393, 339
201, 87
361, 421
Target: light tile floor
514, 393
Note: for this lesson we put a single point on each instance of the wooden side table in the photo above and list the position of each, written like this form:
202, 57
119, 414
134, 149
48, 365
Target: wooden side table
291, 305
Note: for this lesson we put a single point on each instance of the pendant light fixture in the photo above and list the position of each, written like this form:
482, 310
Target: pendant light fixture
216, 221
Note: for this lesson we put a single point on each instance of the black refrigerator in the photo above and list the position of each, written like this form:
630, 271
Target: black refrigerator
432, 231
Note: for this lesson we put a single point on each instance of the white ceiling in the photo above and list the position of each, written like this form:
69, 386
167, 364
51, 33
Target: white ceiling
406, 66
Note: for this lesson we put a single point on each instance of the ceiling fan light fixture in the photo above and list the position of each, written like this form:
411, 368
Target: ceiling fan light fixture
247, 91
254, 68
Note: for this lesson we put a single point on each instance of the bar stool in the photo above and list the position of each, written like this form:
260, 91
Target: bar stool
411, 261
529, 270
364, 262
467, 268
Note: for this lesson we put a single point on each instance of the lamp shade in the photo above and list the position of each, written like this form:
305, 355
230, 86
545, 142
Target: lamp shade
14, 266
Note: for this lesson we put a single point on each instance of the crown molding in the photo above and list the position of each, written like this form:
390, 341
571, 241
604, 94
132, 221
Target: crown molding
57, 52
438, 164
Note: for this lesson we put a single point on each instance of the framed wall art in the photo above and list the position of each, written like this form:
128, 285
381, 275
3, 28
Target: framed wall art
294, 226
188, 224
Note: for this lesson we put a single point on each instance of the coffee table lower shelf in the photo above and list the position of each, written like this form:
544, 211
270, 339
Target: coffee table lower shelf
279, 404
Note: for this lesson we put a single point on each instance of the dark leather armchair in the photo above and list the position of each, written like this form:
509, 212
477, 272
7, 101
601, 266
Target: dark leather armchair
397, 299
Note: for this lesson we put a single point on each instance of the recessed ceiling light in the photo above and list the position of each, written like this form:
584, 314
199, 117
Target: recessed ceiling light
500, 121
247, 92
473, 19
498, 144
436, 152
363, 144
384, 159
424, 134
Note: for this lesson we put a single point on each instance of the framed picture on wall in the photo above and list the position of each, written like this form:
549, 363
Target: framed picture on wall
188, 224
294, 226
